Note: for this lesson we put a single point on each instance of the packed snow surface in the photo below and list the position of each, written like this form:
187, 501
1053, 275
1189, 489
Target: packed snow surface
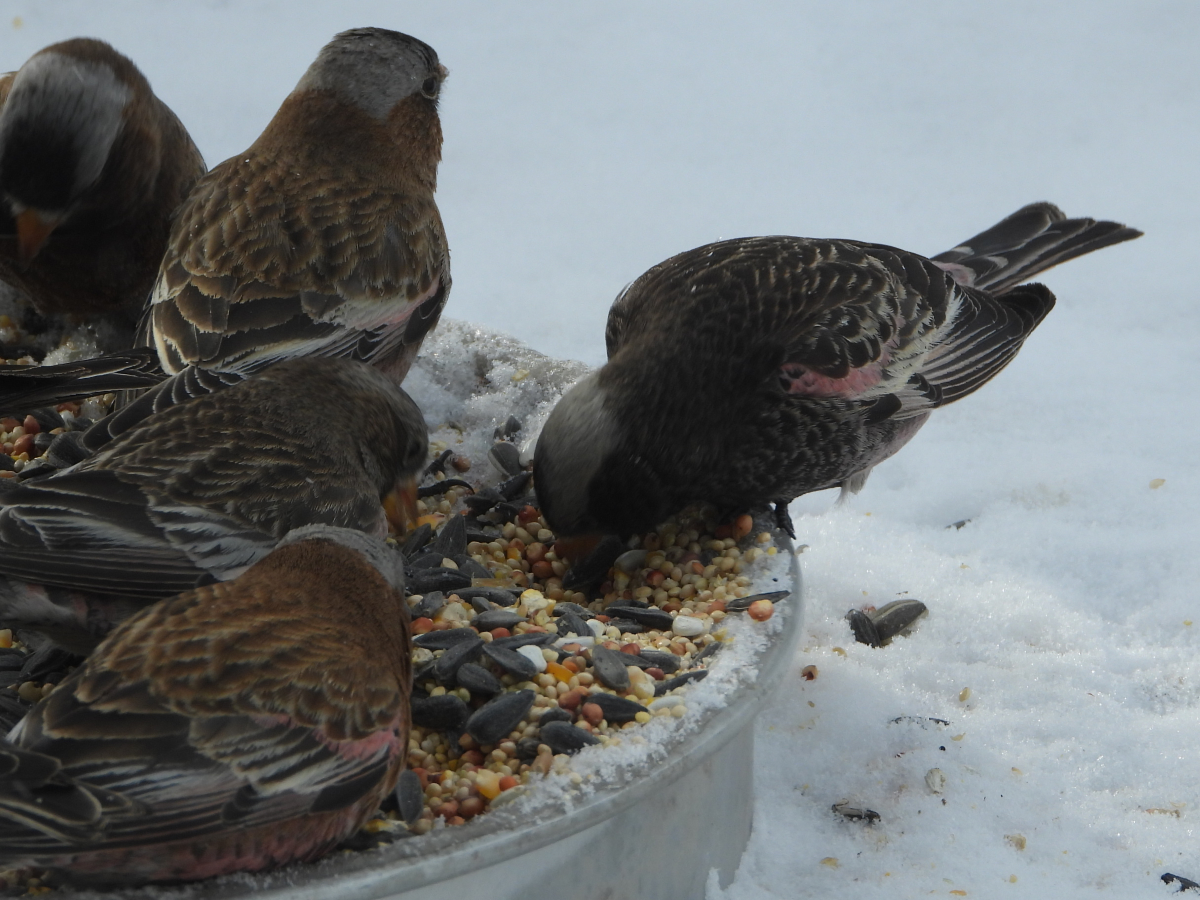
584, 143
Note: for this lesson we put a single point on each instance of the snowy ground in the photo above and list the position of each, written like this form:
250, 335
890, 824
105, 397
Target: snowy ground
584, 144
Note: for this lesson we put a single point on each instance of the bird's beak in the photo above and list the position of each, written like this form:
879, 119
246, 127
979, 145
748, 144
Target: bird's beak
400, 505
32, 232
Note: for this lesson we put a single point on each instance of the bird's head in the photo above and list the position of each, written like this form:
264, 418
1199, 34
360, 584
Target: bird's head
394, 436
369, 87
375, 69
66, 108
411, 448
589, 474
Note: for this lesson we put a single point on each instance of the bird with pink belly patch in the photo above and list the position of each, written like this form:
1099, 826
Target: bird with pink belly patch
751, 371
323, 237
234, 728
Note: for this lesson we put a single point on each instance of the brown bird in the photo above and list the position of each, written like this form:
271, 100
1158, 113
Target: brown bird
236, 727
198, 479
323, 238
754, 370
92, 167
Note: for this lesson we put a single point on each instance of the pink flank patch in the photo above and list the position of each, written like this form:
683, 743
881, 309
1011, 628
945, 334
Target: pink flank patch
252, 851
799, 380
383, 742
366, 748
372, 315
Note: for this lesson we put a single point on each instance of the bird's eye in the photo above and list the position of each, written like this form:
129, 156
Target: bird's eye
430, 87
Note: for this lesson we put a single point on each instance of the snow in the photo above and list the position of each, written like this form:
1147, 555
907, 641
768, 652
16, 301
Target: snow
585, 143
469, 380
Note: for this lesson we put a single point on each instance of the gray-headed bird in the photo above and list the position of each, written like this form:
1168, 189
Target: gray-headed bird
322, 238
92, 167
754, 370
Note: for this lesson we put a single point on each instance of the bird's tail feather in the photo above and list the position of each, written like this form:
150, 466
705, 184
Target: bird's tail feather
23, 388
1031, 240
43, 805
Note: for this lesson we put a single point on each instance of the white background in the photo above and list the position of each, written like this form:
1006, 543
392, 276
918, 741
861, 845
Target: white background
584, 144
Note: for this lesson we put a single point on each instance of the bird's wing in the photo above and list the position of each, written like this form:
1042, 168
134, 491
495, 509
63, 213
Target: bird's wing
822, 319
180, 388
205, 485
182, 779
890, 327
222, 708
141, 753
341, 268
241, 455
23, 388
166, 393
867, 314
831, 320
983, 335
35, 795
91, 531
835, 306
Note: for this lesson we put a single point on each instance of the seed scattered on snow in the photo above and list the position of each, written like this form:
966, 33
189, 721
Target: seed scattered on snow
1175, 811
935, 780
855, 813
